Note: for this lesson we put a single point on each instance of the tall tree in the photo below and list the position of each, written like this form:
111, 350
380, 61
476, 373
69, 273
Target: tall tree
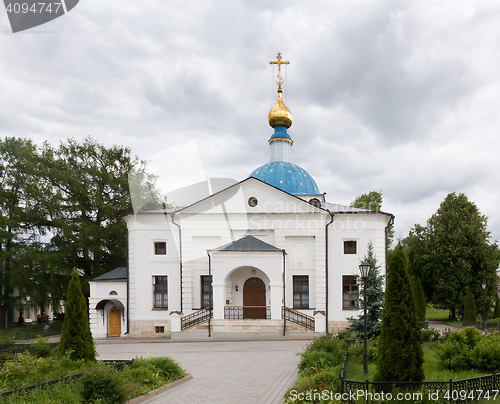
76, 338
373, 201
20, 214
419, 299
470, 311
75, 193
374, 297
400, 351
496, 312
453, 251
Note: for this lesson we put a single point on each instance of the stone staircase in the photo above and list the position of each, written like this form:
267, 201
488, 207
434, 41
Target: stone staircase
252, 329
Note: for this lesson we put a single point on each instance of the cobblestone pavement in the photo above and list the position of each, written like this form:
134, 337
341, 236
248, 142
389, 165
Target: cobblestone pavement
224, 372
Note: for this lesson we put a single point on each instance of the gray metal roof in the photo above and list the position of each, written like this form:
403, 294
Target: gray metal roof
336, 208
248, 243
116, 275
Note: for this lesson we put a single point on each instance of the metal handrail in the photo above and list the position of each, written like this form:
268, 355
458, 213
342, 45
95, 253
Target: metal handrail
246, 312
298, 318
198, 317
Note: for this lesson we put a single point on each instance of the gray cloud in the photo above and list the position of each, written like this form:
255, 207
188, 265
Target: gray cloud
398, 96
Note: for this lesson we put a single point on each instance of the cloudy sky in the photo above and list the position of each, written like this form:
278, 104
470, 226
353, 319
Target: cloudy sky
398, 96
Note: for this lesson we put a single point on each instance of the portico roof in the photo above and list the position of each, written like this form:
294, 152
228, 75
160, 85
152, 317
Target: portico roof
247, 244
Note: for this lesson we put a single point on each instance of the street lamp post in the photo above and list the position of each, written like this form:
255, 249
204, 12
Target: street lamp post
364, 268
484, 302
28, 321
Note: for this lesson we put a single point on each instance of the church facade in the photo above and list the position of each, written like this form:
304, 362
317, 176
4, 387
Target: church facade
268, 255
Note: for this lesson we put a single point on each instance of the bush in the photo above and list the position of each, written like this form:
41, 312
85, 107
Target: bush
102, 383
456, 352
323, 353
163, 366
486, 354
316, 382
314, 360
430, 334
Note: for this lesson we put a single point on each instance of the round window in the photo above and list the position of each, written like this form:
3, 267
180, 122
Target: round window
252, 202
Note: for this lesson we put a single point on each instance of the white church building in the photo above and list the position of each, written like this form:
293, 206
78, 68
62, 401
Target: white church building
267, 255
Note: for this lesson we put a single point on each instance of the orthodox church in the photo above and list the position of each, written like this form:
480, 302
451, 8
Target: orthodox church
265, 256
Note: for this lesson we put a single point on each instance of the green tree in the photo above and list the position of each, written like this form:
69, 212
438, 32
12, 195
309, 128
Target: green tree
496, 313
373, 201
20, 213
470, 312
375, 299
454, 251
419, 299
76, 339
400, 351
76, 193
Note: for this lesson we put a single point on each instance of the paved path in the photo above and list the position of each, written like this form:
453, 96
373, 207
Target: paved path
224, 372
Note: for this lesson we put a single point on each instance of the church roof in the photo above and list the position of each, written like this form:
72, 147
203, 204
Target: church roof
288, 177
247, 244
116, 275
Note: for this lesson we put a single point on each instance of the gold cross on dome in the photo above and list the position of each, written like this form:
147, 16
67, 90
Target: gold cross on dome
279, 63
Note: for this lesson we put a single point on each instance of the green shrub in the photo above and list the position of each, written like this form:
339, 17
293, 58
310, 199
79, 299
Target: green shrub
430, 334
314, 360
316, 382
456, 352
327, 343
486, 354
102, 383
164, 366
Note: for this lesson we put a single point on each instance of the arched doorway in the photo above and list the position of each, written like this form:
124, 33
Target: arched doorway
254, 296
115, 328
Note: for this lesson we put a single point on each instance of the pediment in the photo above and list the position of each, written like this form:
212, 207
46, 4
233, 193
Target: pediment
251, 196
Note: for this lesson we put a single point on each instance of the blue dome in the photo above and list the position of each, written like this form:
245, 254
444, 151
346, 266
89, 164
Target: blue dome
288, 177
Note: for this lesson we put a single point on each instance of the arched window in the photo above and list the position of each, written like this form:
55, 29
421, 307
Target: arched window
113, 293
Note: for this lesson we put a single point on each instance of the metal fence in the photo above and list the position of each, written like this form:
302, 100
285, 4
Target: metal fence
299, 318
247, 312
459, 391
197, 317
15, 349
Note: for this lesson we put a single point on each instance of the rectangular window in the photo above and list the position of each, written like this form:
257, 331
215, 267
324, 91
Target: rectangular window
161, 248
160, 291
206, 289
301, 292
349, 247
159, 329
349, 293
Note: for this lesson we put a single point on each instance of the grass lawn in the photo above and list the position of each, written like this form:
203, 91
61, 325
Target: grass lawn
354, 369
434, 314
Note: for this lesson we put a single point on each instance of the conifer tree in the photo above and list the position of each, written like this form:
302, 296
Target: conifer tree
401, 356
470, 312
374, 297
420, 299
76, 338
496, 312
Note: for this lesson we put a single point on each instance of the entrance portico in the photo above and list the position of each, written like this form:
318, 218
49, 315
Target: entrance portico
240, 291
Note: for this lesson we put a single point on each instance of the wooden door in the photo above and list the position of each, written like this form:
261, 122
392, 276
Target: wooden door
114, 319
254, 294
